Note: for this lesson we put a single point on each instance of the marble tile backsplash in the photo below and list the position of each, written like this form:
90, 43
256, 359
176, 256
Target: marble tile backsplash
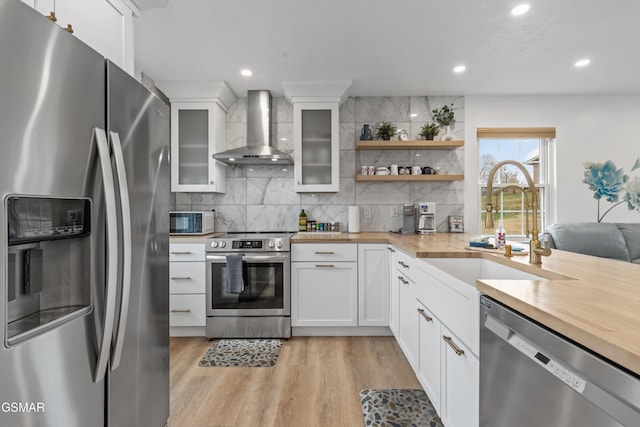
262, 198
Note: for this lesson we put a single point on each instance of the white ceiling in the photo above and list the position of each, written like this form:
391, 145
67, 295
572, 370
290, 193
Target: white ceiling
397, 47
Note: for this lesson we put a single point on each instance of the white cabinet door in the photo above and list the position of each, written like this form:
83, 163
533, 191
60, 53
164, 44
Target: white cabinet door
408, 320
394, 292
460, 383
187, 310
324, 294
187, 278
429, 355
316, 146
197, 132
105, 25
373, 285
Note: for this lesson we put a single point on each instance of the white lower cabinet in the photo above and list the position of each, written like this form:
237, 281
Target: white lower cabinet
408, 320
324, 293
187, 299
394, 292
430, 357
460, 373
373, 285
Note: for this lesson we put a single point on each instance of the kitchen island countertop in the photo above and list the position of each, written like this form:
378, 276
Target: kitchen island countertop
593, 301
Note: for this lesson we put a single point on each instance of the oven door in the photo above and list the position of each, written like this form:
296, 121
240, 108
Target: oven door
267, 286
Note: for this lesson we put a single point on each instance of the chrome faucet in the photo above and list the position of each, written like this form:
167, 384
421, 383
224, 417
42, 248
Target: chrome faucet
536, 251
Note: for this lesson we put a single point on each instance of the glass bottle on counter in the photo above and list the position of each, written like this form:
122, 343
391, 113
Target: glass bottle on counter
302, 221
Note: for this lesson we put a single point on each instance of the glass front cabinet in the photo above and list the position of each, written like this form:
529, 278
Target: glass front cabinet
316, 139
197, 132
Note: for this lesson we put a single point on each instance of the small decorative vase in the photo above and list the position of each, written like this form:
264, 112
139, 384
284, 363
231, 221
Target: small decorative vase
448, 136
429, 137
386, 137
365, 135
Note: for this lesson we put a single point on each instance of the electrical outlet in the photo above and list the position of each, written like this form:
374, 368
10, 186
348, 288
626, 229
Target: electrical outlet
394, 211
367, 212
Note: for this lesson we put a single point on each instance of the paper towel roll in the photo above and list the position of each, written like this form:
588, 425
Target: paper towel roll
354, 219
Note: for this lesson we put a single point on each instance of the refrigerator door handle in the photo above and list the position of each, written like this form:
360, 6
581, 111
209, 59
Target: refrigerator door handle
125, 206
100, 137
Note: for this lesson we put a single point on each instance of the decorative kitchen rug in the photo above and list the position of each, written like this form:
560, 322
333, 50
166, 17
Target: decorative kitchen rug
242, 353
398, 408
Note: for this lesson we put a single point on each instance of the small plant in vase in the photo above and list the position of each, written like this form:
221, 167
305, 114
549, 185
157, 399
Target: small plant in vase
445, 116
429, 130
386, 130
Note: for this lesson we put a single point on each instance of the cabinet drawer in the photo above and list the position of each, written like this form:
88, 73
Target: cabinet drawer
187, 310
313, 252
186, 252
186, 277
406, 265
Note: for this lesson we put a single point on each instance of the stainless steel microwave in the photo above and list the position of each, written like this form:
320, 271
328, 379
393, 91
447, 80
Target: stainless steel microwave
191, 223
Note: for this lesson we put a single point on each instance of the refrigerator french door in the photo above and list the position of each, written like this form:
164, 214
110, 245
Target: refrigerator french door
84, 234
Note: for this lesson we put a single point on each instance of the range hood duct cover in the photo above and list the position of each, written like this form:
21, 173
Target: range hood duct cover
258, 150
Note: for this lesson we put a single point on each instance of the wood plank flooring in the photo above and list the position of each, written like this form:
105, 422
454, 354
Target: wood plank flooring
315, 382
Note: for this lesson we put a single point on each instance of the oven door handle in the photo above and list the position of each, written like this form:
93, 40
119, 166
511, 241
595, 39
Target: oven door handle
251, 258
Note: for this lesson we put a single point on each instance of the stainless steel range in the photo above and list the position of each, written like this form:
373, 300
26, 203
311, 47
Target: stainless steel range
249, 285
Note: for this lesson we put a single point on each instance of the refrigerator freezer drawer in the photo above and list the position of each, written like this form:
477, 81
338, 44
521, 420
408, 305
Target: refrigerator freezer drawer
187, 310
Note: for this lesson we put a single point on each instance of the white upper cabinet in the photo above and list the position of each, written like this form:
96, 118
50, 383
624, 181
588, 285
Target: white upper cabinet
197, 132
316, 125
105, 25
316, 146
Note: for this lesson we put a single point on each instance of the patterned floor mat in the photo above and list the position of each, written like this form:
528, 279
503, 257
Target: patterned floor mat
398, 408
256, 353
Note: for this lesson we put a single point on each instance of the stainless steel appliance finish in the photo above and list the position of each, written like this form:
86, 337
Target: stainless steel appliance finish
263, 309
531, 376
259, 149
408, 220
191, 223
76, 129
426, 218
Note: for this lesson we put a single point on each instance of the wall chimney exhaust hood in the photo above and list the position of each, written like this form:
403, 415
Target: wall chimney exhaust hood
258, 150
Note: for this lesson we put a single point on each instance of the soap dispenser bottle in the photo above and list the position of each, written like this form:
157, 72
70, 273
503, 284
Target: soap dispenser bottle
501, 236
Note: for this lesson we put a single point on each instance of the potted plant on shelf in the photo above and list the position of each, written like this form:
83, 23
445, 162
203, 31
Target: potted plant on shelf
386, 130
429, 130
446, 117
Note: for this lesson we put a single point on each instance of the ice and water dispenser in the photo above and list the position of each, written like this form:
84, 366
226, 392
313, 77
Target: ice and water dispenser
48, 264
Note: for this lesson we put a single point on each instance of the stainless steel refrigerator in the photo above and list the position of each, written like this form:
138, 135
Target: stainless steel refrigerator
84, 182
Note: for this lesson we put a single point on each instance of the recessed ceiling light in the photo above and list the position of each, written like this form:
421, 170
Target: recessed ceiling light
246, 72
521, 9
283, 139
232, 160
582, 63
413, 115
274, 160
459, 68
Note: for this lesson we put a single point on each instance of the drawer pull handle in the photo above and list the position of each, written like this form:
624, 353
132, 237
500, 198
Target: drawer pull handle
181, 278
455, 348
325, 253
425, 315
403, 264
181, 253
325, 266
187, 310
391, 250
406, 282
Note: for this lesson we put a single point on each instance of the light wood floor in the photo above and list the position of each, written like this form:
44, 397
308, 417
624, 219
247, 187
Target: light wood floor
315, 382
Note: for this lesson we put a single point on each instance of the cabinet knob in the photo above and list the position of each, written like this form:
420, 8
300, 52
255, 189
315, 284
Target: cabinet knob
403, 280
181, 311
211, 182
325, 266
425, 315
403, 264
181, 278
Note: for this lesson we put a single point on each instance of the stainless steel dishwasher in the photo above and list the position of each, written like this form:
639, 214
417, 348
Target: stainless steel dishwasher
531, 376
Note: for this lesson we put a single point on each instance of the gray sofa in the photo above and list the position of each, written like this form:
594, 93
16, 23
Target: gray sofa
607, 240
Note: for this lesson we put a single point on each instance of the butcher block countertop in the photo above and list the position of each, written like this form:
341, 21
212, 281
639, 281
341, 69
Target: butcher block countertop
593, 301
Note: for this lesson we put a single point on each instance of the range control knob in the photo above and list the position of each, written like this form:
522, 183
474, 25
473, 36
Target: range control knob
279, 244
214, 244
223, 244
271, 244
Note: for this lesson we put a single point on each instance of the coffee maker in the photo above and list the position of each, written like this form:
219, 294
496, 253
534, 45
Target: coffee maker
426, 218
408, 220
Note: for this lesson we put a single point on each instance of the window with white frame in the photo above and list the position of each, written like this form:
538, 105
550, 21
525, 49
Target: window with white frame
531, 148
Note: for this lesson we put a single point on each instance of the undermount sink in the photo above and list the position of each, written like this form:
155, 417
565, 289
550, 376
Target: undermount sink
470, 269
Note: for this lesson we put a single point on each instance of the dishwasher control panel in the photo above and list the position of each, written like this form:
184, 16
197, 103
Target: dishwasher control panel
567, 376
